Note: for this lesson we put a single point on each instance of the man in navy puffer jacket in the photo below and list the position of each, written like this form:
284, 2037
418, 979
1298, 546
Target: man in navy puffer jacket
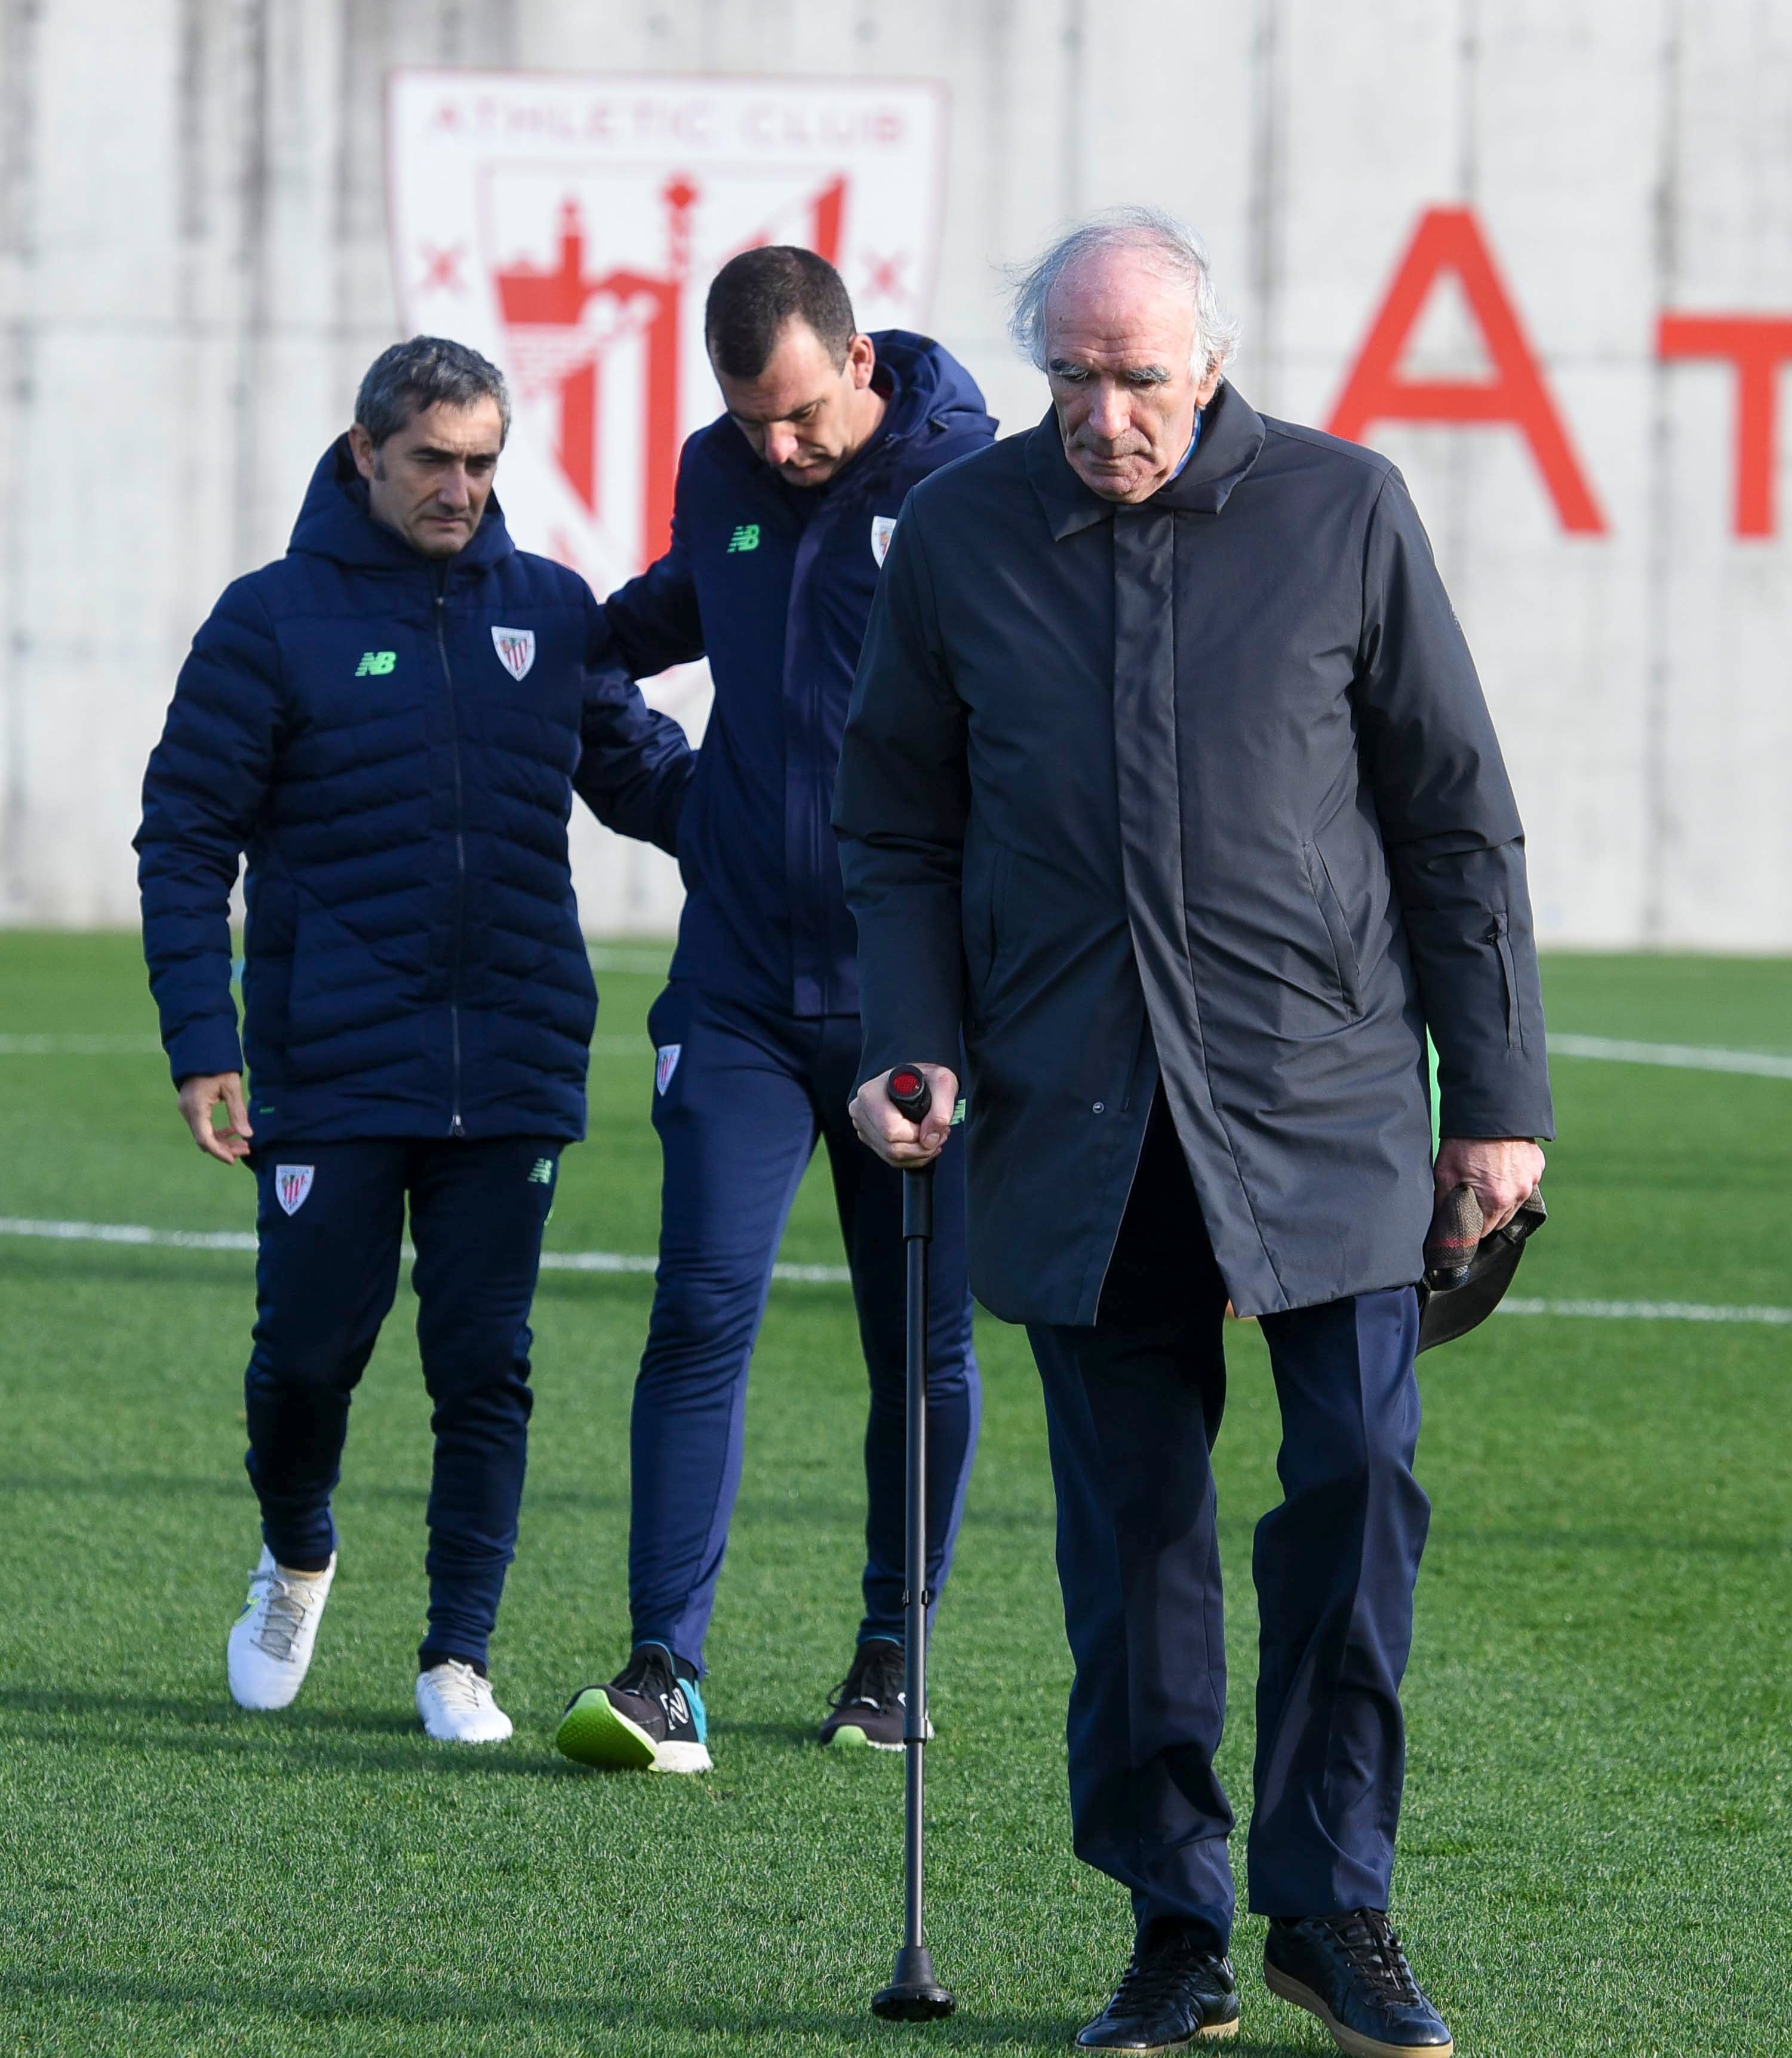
391, 722
783, 510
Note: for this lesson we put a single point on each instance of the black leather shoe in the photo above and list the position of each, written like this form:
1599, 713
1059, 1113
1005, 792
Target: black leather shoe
1175, 1993
1349, 1971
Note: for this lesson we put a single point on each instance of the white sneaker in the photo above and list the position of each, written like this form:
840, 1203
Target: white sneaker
457, 1707
270, 1651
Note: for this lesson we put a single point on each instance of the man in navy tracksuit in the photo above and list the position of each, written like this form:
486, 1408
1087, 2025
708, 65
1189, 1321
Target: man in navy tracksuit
391, 722
784, 511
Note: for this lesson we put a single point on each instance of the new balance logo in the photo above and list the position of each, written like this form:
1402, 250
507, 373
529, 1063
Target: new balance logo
376, 664
541, 1173
745, 537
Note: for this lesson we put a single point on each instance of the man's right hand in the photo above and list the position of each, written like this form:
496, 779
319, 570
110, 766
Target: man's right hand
201, 1092
895, 1138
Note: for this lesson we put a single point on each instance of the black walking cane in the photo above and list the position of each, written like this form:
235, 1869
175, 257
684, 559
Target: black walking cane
914, 1995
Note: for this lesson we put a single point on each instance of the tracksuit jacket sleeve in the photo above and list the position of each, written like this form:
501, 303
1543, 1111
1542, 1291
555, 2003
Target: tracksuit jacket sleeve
901, 803
653, 621
1454, 841
203, 794
636, 764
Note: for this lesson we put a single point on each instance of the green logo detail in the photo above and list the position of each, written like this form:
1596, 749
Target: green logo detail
745, 537
541, 1173
376, 664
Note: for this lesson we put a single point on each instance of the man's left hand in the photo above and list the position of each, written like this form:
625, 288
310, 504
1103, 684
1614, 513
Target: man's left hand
1503, 1171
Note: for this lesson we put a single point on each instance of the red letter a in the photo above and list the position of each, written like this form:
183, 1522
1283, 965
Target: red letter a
1447, 239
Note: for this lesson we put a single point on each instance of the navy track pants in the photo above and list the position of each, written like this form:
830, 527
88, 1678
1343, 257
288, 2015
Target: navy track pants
325, 1279
738, 1111
1132, 1406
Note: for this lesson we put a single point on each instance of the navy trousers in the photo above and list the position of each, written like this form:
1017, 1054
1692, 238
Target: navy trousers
741, 1095
331, 1221
1132, 1406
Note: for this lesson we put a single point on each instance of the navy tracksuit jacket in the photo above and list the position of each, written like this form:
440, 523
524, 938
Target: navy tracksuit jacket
757, 1033
394, 742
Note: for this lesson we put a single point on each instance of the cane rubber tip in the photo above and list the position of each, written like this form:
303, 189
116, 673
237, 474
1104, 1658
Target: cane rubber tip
914, 1995
912, 2004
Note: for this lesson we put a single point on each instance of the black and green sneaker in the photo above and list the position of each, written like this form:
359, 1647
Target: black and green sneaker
646, 1719
868, 1705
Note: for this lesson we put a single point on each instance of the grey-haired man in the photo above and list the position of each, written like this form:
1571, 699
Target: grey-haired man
391, 721
1168, 782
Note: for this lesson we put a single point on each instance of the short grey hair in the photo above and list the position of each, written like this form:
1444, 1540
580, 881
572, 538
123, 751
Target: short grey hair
427, 371
1183, 257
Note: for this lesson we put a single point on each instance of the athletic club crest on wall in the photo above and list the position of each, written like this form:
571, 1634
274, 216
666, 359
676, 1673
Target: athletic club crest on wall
568, 227
292, 1184
516, 649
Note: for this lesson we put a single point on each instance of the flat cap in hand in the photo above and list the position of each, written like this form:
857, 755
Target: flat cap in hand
1467, 1274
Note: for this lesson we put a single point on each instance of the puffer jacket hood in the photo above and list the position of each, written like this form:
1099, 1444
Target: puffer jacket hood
336, 522
931, 387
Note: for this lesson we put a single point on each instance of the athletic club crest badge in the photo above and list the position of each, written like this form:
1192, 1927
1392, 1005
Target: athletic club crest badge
515, 648
568, 225
665, 1063
883, 527
292, 1184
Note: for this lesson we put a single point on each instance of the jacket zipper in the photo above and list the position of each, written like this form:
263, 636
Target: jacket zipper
865, 490
805, 719
454, 1128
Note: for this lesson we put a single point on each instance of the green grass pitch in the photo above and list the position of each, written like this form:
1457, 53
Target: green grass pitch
1595, 1856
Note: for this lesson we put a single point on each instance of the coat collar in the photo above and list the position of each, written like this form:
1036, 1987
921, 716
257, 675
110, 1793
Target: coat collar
1231, 436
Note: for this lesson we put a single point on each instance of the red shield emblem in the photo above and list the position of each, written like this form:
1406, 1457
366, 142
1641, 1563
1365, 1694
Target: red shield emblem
568, 227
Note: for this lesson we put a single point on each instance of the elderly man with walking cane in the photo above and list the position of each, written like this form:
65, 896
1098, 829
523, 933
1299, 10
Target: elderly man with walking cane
1168, 784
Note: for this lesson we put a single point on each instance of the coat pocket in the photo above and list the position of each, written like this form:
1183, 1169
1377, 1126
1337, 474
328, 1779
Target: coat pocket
982, 927
1499, 935
1337, 930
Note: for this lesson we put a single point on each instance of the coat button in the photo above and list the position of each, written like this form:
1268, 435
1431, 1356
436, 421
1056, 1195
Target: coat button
1100, 1108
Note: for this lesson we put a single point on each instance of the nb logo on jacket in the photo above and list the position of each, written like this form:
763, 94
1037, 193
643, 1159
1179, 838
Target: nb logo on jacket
376, 664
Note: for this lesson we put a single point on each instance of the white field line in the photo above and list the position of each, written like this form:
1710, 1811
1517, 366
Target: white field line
150, 1046
1648, 1311
1681, 1057
140, 1236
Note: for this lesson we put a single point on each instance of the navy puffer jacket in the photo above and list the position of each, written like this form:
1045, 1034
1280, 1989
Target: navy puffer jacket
351, 717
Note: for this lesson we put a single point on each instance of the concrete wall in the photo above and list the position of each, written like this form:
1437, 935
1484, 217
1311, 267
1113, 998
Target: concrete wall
194, 270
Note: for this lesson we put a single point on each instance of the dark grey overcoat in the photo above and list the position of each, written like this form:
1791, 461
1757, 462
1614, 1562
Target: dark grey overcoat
1206, 784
